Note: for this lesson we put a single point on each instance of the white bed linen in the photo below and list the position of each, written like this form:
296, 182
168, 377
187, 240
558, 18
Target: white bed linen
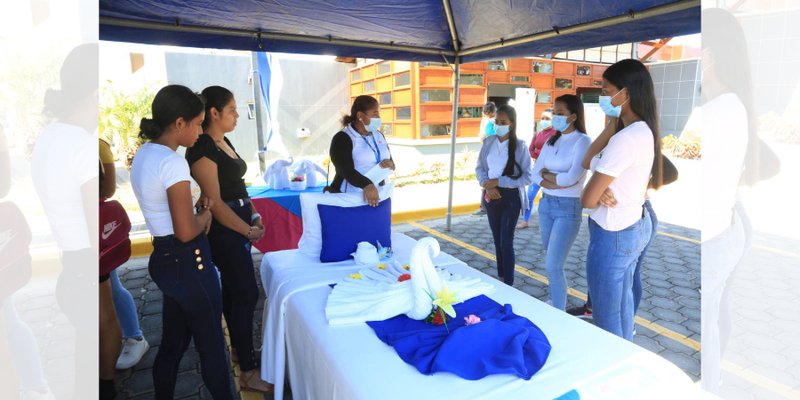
351, 363
296, 272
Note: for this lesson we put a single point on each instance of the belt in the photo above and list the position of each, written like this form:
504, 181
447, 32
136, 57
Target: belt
238, 202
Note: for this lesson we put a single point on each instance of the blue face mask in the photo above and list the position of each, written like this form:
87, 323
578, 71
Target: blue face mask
543, 124
374, 124
560, 123
501, 130
608, 108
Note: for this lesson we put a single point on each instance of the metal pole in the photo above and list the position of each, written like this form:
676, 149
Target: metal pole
259, 36
259, 115
453, 131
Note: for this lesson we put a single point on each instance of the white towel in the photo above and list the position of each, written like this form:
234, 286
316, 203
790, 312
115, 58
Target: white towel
276, 175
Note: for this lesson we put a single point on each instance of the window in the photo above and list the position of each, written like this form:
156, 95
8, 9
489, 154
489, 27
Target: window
137, 61
369, 86
542, 67
497, 65
402, 79
251, 110
543, 97
386, 129
402, 113
593, 55
519, 79
471, 79
590, 97
563, 83
385, 99
435, 95
583, 70
435, 130
470, 112
384, 68
355, 75
432, 64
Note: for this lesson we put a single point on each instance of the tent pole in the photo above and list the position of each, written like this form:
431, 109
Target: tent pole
259, 115
453, 131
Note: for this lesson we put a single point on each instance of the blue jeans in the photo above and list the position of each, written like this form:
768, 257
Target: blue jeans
192, 310
559, 223
610, 262
231, 253
503, 214
533, 189
126, 308
637, 272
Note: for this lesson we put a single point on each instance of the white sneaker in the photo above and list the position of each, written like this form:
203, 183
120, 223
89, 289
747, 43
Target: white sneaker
132, 352
37, 395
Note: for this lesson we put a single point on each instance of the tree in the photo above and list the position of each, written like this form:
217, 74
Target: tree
120, 115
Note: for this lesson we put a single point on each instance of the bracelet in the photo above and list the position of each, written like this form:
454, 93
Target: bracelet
255, 217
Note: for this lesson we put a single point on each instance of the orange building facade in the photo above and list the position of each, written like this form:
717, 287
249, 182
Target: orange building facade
417, 98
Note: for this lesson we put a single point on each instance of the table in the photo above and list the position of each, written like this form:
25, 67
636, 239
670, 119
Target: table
350, 362
281, 213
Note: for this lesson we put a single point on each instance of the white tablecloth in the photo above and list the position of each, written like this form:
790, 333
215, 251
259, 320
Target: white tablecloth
351, 363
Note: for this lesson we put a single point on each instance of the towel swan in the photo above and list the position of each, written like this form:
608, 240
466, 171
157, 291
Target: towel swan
376, 294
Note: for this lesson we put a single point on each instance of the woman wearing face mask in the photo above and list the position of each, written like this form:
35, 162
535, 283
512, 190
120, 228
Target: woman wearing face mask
181, 262
545, 132
623, 160
504, 168
219, 170
359, 147
559, 170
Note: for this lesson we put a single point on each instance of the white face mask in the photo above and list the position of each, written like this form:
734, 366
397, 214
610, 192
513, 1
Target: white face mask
501, 130
374, 124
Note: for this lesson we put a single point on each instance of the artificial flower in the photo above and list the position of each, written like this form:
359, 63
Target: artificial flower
445, 300
355, 276
403, 277
406, 267
382, 266
472, 319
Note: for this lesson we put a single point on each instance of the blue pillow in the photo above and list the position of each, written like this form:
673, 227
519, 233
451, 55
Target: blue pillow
344, 227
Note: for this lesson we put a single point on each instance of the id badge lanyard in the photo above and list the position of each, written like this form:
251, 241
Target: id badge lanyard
375, 150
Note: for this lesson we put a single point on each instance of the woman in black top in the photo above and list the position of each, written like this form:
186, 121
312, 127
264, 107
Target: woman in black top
219, 171
357, 148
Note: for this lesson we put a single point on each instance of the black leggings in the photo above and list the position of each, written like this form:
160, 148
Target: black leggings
231, 253
192, 309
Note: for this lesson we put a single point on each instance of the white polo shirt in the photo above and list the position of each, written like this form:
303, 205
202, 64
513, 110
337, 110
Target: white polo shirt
155, 168
628, 158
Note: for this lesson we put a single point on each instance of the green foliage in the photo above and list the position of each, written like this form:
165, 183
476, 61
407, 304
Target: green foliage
120, 115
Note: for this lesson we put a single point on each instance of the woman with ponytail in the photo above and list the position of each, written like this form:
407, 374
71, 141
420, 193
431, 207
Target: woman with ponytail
559, 171
178, 217
625, 158
503, 171
359, 147
220, 170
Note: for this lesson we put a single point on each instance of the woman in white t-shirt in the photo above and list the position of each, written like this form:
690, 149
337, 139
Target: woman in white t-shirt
559, 171
181, 263
622, 160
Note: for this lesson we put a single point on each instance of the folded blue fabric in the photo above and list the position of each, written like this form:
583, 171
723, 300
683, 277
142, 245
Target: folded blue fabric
342, 228
502, 343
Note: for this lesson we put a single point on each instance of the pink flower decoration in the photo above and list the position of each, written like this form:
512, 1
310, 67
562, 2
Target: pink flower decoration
472, 319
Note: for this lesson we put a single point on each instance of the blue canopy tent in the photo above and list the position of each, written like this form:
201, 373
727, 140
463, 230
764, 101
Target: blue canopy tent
457, 31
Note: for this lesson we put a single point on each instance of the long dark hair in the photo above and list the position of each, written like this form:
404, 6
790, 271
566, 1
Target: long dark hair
512, 163
575, 106
728, 47
361, 103
633, 76
216, 97
171, 102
